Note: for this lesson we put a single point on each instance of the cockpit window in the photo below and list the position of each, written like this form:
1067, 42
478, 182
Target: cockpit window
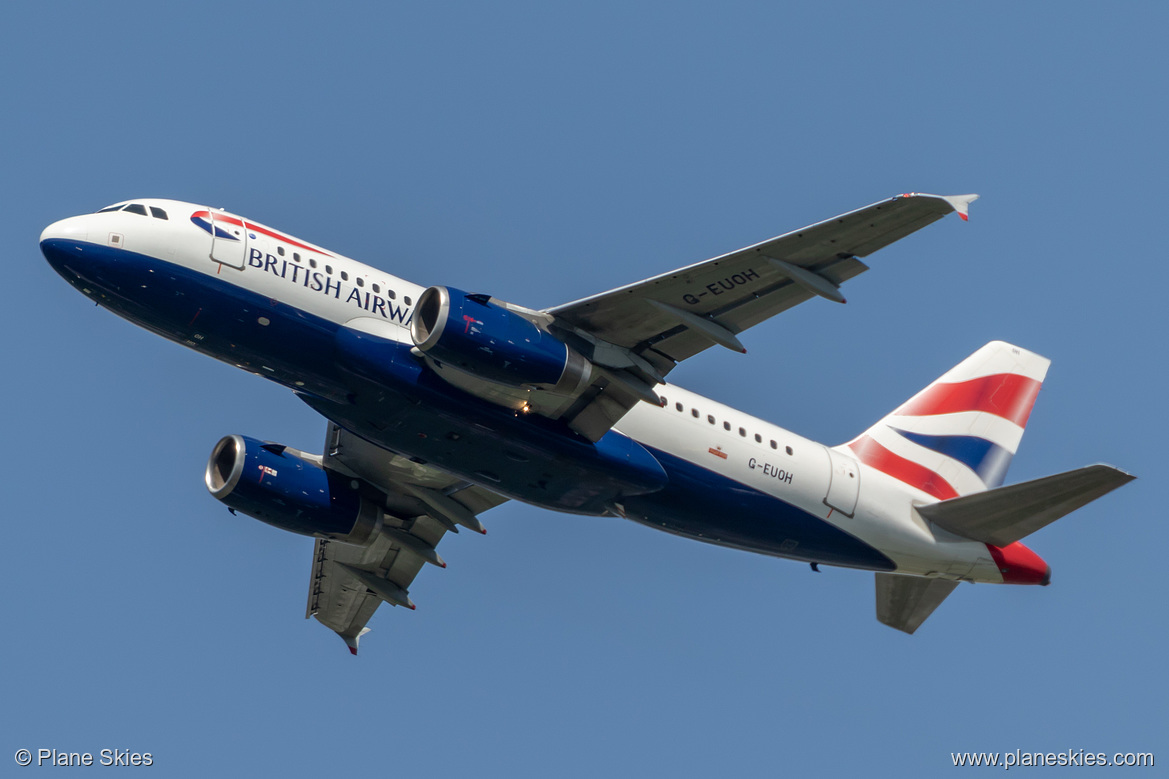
157, 212
136, 208
118, 207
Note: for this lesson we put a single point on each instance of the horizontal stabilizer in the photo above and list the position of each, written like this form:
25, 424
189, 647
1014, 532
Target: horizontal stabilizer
904, 602
1004, 515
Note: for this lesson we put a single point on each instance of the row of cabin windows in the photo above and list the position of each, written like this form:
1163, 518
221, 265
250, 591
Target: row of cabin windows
158, 213
136, 208
726, 425
377, 290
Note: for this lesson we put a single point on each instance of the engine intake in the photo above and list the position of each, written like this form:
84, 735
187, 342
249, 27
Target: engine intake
477, 335
280, 486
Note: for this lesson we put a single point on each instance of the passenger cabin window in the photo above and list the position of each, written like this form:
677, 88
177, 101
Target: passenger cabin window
296, 256
280, 250
344, 276
726, 425
758, 438
360, 282
329, 269
407, 299
391, 294
377, 289
789, 449
157, 212
774, 445
710, 418
679, 406
694, 413
743, 432
312, 263
136, 208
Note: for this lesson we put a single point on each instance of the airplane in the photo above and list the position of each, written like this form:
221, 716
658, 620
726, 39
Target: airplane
442, 404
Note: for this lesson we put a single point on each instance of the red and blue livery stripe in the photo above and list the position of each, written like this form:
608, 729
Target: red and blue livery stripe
202, 219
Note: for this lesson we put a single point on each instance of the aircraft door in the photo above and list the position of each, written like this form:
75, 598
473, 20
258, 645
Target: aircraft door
229, 239
844, 487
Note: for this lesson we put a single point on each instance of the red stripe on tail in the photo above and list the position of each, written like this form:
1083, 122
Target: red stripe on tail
876, 456
1006, 395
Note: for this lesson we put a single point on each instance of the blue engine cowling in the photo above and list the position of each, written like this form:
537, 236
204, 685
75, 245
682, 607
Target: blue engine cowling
273, 484
476, 335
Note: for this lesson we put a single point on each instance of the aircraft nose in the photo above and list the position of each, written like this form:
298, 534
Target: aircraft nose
73, 228
61, 243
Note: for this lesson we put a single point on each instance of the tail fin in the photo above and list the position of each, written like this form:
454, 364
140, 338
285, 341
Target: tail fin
958, 435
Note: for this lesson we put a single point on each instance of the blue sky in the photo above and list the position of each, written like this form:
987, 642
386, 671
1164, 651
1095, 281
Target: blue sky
540, 152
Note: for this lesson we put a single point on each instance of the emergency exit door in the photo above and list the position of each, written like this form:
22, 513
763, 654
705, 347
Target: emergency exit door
229, 239
845, 484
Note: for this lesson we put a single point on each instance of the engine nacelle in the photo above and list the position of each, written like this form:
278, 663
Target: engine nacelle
477, 335
283, 487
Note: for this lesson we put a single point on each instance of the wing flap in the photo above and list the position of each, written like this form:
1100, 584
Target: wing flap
1006, 514
348, 582
904, 602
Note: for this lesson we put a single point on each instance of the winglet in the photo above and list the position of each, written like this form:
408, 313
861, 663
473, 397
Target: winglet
961, 204
351, 641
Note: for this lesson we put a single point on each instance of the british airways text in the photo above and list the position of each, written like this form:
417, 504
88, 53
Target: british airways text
319, 282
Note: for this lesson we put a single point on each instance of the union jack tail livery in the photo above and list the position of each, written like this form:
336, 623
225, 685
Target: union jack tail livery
958, 435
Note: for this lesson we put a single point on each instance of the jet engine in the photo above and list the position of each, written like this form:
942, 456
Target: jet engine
480, 336
289, 489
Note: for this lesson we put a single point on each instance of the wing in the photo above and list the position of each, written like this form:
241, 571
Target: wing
673, 316
420, 505
639, 332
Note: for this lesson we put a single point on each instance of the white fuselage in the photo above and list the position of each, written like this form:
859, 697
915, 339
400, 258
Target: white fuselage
827, 484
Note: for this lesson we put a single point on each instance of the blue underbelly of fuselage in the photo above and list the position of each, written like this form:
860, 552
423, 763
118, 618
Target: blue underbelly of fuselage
389, 398
710, 507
